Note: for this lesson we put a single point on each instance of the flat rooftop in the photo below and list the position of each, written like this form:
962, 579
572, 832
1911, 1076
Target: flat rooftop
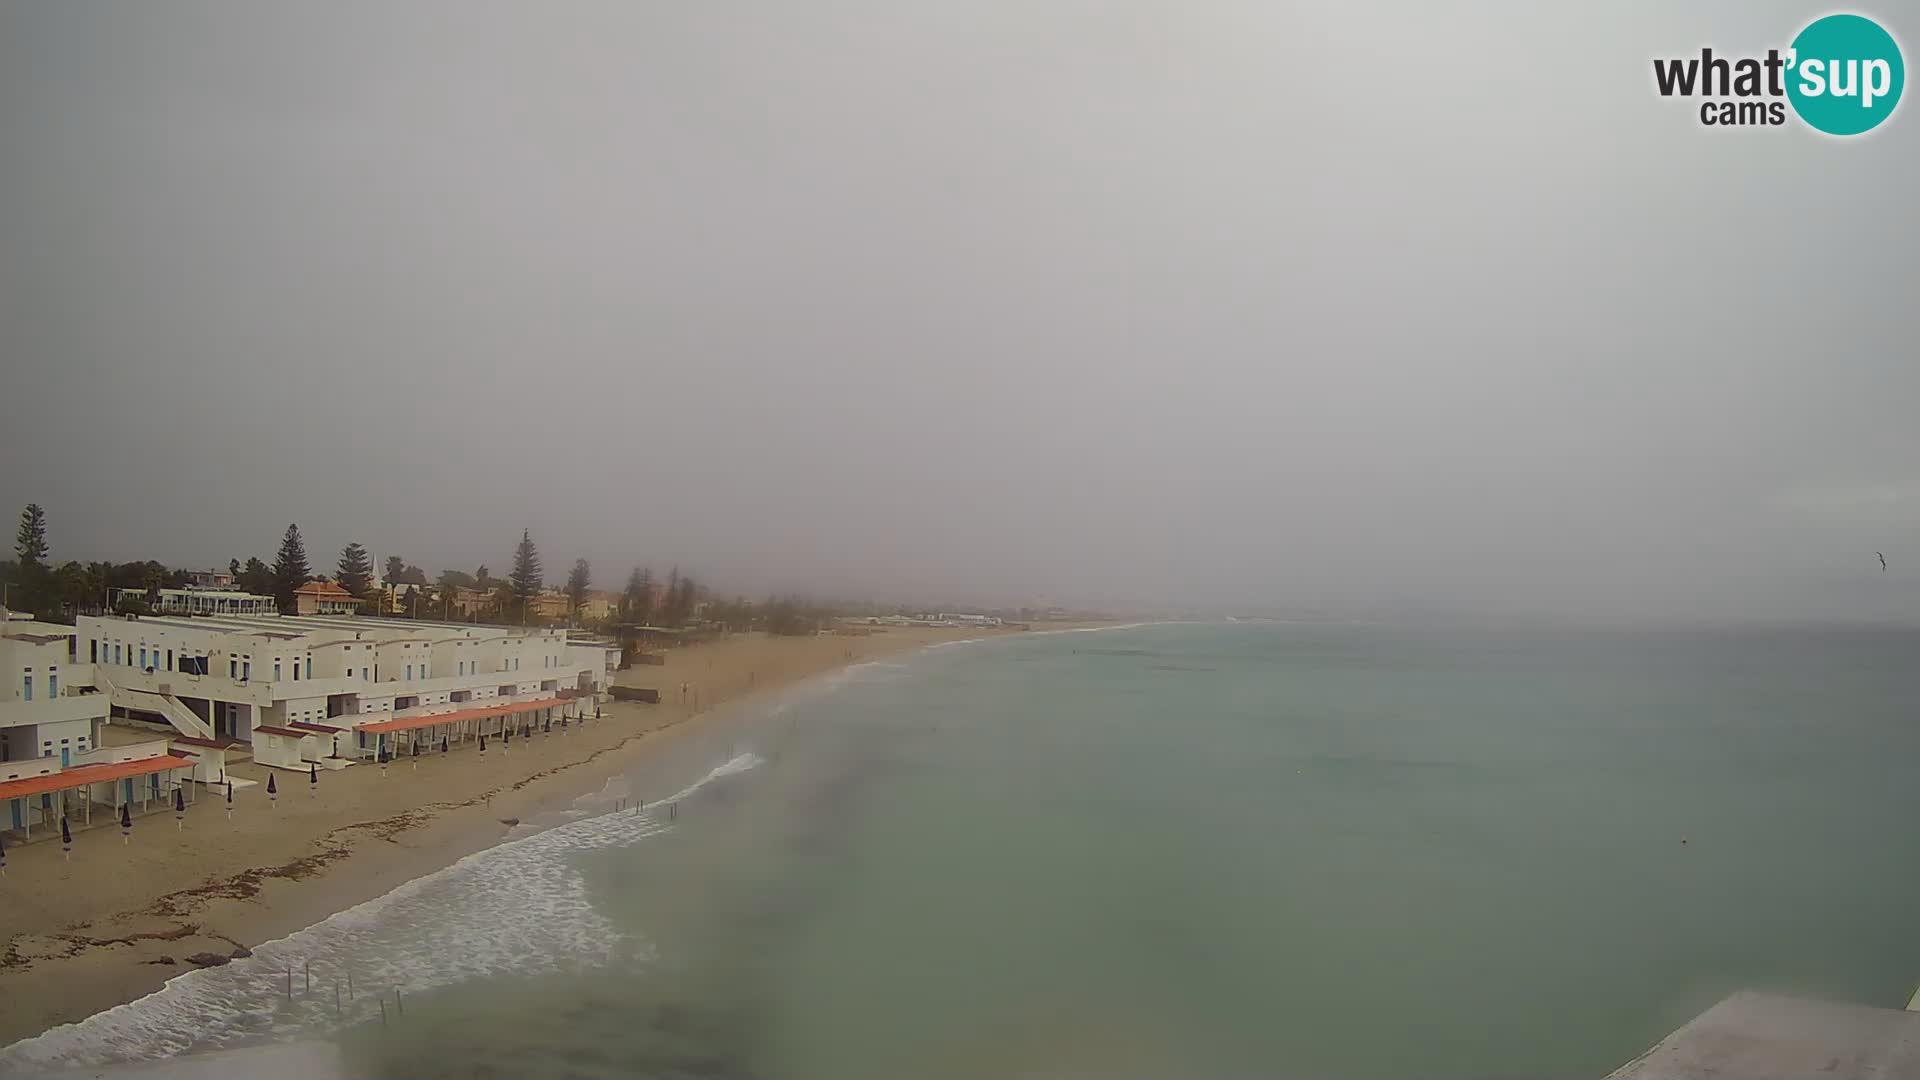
1753, 1036
297, 626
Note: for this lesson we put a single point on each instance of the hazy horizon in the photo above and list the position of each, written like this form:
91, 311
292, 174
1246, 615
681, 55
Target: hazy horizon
1125, 305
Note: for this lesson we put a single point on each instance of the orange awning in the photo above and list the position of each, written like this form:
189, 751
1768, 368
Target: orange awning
409, 723
91, 774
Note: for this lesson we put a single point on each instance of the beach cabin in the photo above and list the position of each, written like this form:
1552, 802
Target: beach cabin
335, 743
287, 748
209, 757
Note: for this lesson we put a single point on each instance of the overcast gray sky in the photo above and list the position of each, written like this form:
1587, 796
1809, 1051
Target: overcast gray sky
1248, 305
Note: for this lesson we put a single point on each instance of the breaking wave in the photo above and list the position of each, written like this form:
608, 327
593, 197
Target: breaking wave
519, 906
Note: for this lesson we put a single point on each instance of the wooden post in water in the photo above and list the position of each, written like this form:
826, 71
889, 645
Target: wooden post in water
397, 1004
383, 1012
336, 1000
309, 976
349, 984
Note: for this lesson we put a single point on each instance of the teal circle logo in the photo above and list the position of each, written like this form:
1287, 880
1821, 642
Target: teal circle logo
1845, 74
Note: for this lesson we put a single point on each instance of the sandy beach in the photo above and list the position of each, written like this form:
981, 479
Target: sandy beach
117, 921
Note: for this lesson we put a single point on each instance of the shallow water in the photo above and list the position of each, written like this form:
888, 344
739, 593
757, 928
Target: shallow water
1272, 850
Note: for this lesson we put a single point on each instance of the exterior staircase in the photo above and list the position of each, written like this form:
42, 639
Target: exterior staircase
184, 720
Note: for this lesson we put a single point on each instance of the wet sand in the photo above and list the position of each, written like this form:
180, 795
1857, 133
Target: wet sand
99, 930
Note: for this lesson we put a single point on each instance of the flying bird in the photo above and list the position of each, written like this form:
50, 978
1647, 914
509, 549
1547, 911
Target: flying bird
1883, 562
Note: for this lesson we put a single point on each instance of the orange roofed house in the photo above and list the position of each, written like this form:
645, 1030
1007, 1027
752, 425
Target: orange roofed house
323, 598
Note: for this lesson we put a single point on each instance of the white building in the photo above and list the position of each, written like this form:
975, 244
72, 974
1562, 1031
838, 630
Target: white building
49, 718
954, 618
225, 677
198, 601
47, 709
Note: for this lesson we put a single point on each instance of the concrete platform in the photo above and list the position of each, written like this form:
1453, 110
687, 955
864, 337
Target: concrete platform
1753, 1036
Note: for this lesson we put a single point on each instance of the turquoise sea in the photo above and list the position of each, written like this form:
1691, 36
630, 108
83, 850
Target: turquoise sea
1247, 850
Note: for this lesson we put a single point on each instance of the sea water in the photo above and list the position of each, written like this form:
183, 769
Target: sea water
1253, 850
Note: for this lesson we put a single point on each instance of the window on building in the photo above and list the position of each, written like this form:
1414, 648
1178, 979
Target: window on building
53, 685
93, 650
26, 684
143, 658
233, 667
309, 667
169, 659
276, 669
409, 672
246, 670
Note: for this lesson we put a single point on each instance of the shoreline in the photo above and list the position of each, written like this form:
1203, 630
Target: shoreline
97, 931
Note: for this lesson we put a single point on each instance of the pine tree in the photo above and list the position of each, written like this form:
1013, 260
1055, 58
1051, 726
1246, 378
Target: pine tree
290, 569
30, 545
577, 582
356, 570
33, 586
638, 601
526, 569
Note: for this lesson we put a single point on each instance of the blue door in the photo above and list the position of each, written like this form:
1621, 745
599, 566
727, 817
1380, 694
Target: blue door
66, 757
19, 822
129, 783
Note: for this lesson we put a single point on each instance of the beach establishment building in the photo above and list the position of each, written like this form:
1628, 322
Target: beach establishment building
197, 601
292, 692
48, 709
51, 760
312, 683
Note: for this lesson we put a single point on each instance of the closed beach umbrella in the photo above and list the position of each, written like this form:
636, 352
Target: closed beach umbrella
273, 793
313, 779
126, 823
229, 799
443, 744
66, 839
3, 856
179, 808
548, 729
506, 740
483, 746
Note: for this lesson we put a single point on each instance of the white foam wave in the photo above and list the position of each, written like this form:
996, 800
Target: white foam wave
1099, 629
519, 906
